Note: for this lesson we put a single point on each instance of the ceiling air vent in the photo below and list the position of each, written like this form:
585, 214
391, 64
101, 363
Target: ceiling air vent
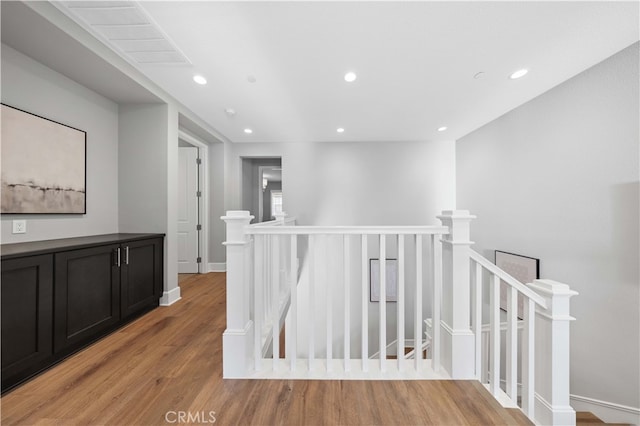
127, 28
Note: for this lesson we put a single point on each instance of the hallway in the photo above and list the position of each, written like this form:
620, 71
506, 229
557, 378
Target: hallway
168, 364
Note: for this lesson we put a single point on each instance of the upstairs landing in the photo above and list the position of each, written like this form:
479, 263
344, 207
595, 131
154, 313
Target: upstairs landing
170, 360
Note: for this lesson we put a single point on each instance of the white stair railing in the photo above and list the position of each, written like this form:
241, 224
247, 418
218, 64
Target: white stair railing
538, 355
323, 248
314, 279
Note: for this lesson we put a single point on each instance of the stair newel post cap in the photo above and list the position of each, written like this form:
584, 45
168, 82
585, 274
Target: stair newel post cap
556, 296
280, 217
458, 222
236, 221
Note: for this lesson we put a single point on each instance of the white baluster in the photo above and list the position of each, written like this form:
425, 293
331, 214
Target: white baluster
494, 336
528, 358
284, 283
347, 304
437, 298
311, 305
383, 302
258, 300
266, 252
365, 305
400, 345
330, 267
484, 366
275, 299
477, 319
292, 335
417, 335
512, 344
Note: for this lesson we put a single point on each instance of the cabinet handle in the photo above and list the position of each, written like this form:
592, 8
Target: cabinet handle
126, 255
118, 257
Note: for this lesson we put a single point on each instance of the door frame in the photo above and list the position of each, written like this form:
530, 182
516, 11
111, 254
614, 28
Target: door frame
203, 206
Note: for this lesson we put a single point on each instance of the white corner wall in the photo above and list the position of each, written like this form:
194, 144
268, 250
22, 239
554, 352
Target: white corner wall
148, 179
217, 252
558, 179
31, 86
143, 163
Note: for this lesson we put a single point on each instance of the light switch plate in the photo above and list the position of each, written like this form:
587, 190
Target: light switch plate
19, 226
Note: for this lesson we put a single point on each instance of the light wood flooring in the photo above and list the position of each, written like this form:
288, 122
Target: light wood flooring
170, 360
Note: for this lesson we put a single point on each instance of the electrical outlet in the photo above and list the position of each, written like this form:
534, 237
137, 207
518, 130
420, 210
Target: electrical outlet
19, 226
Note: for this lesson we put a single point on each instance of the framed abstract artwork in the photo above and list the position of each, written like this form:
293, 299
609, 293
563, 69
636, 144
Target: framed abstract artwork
524, 269
43, 165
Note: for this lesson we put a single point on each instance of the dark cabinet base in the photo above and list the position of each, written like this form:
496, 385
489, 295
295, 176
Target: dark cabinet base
59, 298
27, 309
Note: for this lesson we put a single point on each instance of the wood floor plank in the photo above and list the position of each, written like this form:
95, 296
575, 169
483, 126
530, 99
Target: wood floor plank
170, 360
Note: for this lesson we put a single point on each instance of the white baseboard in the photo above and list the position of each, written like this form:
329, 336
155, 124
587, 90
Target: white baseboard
217, 267
170, 297
608, 412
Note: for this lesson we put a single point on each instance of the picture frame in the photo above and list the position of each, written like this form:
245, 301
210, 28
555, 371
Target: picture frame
523, 268
44, 165
391, 281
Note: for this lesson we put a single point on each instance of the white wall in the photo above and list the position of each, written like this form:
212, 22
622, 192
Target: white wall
377, 183
217, 252
143, 168
557, 179
29, 85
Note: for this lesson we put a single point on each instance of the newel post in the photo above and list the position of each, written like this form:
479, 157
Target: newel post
552, 354
280, 217
237, 340
458, 345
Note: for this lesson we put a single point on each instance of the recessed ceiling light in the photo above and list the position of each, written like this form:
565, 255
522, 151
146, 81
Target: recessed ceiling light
199, 79
248, 131
442, 129
478, 75
230, 112
518, 74
350, 76
340, 130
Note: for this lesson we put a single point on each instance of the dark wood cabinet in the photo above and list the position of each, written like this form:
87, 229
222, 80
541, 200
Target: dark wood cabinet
27, 316
140, 275
60, 295
87, 292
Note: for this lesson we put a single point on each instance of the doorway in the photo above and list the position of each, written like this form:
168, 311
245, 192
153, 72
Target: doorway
188, 210
270, 197
192, 205
262, 192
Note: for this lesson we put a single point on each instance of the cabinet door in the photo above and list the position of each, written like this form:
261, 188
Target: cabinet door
27, 316
141, 275
87, 294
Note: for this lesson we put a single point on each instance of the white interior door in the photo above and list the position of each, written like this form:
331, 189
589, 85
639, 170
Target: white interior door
187, 210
